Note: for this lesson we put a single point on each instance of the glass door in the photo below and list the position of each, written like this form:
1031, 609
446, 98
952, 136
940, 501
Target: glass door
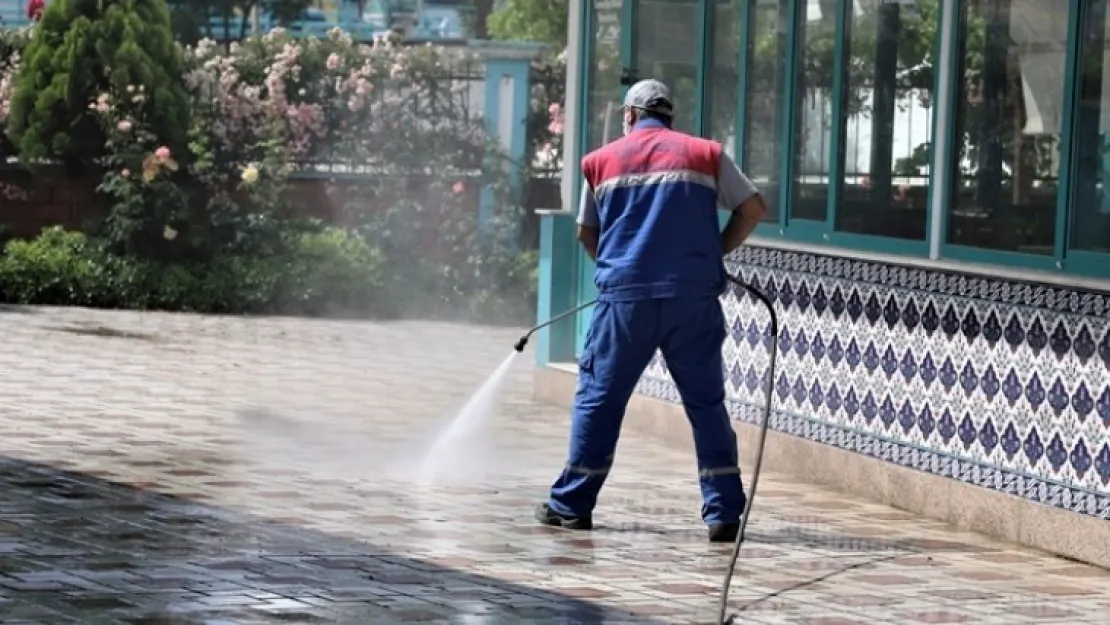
667, 46
626, 41
606, 55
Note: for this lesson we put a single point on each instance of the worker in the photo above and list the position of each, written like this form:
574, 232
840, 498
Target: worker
649, 219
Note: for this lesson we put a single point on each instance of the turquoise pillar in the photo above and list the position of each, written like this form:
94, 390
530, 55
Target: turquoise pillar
586, 290
507, 107
557, 292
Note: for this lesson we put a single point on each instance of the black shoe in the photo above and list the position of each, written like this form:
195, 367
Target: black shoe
547, 516
723, 532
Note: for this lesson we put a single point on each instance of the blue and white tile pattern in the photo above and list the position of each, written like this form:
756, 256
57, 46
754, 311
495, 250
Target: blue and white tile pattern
1001, 384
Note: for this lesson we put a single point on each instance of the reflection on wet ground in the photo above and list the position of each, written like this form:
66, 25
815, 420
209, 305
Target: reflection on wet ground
176, 469
77, 549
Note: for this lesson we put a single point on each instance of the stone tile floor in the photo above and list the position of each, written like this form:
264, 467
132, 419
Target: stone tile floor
181, 469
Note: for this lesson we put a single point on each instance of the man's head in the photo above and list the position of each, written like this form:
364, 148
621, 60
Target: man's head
647, 99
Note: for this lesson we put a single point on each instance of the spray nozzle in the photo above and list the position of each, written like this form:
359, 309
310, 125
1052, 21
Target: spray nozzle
519, 346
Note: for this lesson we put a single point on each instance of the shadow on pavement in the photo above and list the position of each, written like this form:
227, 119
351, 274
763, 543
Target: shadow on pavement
77, 549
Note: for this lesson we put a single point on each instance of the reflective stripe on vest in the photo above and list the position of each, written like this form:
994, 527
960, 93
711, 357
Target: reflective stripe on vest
656, 195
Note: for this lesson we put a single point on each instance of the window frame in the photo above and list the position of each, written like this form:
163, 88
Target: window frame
818, 232
1056, 262
704, 43
1063, 261
747, 14
1077, 262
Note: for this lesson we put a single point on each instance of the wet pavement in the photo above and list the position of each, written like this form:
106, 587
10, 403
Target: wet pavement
172, 469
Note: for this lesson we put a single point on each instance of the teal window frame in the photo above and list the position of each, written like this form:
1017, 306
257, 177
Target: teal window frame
825, 232
1078, 262
628, 47
1063, 259
705, 62
1018, 260
586, 23
584, 270
705, 58
747, 13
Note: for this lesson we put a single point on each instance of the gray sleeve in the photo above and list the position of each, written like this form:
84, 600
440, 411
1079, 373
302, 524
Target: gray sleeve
587, 208
733, 187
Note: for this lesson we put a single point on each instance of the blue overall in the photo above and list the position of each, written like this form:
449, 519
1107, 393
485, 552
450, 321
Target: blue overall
653, 196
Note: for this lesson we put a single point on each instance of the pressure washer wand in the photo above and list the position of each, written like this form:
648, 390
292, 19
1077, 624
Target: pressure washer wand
523, 341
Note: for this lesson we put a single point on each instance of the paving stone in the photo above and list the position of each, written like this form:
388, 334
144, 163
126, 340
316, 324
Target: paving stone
179, 469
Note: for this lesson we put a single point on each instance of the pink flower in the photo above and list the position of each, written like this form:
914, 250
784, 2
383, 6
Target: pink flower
126, 173
458, 187
124, 126
558, 119
334, 61
162, 153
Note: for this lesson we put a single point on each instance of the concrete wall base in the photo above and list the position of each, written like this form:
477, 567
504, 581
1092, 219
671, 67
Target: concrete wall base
965, 506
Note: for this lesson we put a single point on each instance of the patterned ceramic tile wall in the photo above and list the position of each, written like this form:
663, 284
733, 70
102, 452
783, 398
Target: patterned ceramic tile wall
997, 383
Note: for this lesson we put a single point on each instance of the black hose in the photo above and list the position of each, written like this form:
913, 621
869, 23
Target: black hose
766, 301
722, 607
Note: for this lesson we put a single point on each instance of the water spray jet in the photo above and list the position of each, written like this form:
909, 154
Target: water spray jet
722, 615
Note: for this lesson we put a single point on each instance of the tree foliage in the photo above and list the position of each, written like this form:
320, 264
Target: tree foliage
81, 49
541, 21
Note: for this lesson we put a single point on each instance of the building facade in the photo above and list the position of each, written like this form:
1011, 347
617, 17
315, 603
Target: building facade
938, 242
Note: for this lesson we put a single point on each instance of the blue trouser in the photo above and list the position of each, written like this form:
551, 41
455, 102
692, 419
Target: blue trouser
621, 341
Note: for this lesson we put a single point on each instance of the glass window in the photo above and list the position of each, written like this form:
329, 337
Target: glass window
1090, 206
723, 77
887, 119
603, 102
666, 36
1008, 118
765, 99
816, 36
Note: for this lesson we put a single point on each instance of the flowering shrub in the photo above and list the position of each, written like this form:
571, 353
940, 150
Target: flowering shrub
137, 175
391, 125
548, 119
398, 117
12, 43
333, 101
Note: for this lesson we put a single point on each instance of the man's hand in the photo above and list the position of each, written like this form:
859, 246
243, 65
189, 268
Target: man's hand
589, 236
736, 192
744, 219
